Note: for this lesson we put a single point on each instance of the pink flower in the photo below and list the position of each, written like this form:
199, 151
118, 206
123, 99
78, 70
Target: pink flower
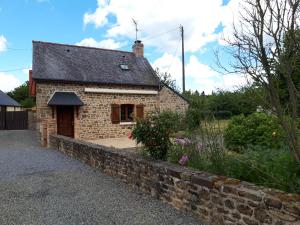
183, 141
183, 160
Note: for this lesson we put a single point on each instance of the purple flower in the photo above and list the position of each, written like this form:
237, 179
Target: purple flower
183, 141
183, 160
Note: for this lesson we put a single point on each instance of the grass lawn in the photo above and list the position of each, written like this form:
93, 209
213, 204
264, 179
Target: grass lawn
214, 126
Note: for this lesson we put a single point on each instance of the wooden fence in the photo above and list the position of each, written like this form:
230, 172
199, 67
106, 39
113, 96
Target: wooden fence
14, 120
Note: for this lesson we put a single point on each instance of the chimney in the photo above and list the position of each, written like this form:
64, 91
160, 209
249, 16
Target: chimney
138, 48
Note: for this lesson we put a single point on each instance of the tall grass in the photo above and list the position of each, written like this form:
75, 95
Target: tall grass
205, 149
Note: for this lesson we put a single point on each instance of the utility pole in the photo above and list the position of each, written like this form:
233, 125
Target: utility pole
183, 64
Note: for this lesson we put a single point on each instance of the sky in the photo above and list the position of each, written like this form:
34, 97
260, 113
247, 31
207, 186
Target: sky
108, 24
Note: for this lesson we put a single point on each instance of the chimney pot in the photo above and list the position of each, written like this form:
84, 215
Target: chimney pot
138, 48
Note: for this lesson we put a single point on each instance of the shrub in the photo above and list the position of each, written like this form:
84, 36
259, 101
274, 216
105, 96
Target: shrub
193, 118
257, 129
154, 132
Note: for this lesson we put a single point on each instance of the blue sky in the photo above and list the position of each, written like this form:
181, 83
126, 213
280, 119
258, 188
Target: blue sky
107, 24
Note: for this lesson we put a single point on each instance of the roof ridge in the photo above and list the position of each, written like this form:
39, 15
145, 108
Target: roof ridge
79, 46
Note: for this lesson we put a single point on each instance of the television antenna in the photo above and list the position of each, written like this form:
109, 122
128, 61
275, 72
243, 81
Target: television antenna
135, 23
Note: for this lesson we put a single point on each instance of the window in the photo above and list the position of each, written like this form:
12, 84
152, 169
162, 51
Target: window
124, 66
127, 112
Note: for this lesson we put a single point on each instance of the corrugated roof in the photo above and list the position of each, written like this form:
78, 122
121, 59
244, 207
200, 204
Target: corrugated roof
61, 62
5, 100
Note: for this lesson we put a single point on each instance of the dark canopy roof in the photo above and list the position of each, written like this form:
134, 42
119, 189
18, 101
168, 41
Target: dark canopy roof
60, 62
5, 100
65, 98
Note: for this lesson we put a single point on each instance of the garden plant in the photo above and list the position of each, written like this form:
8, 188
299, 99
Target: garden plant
265, 162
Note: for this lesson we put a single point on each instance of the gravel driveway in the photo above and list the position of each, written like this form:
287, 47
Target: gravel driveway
39, 186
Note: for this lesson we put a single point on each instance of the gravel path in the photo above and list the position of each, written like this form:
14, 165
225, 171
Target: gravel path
39, 186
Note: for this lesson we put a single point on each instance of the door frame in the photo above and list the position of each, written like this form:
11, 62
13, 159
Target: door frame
57, 119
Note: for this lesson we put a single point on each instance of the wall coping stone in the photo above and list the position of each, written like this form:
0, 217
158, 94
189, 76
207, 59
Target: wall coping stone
204, 194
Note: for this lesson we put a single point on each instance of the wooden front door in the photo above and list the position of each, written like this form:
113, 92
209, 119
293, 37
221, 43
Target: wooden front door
65, 121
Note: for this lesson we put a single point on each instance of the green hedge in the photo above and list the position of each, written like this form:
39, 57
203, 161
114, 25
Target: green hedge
257, 129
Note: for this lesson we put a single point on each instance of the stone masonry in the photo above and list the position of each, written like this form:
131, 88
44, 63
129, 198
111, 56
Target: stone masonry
169, 100
214, 199
93, 120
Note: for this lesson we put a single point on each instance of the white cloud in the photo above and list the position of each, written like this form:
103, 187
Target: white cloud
201, 76
170, 64
26, 71
108, 43
99, 16
233, 81
8, 82
199, 18
3, 43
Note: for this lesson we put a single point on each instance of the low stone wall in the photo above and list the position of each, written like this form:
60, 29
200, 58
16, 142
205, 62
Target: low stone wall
214, 199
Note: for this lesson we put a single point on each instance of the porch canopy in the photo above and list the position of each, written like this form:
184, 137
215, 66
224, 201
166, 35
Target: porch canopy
65, 98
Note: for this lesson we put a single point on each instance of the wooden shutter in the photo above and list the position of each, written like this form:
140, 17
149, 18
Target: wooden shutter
115, 113
32, 85
139, 111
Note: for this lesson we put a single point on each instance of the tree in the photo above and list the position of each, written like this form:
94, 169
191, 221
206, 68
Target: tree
166, 79
21, 95
293, 56
263, 44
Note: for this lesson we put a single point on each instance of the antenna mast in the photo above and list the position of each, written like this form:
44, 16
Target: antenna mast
136, 28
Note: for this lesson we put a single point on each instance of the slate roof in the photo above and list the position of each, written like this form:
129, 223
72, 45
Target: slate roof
70, 63
65, 98
5, 100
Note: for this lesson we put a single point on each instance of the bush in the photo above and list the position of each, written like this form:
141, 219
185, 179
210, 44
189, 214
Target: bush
193, 118
154, 132
257, 129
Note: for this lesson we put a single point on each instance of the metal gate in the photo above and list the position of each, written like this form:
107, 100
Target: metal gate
14, 120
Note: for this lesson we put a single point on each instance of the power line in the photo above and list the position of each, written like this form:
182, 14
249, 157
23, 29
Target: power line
160, 34
175, 54
19, 49
18, 69
153, 36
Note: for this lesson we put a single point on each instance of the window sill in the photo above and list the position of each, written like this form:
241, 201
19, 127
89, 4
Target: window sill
127, 123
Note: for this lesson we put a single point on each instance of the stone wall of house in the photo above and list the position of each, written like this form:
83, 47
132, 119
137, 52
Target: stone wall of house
32, 120
169, 100
94, 118
214, 199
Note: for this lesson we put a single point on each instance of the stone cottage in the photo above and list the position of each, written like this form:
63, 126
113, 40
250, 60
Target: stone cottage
92, 93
